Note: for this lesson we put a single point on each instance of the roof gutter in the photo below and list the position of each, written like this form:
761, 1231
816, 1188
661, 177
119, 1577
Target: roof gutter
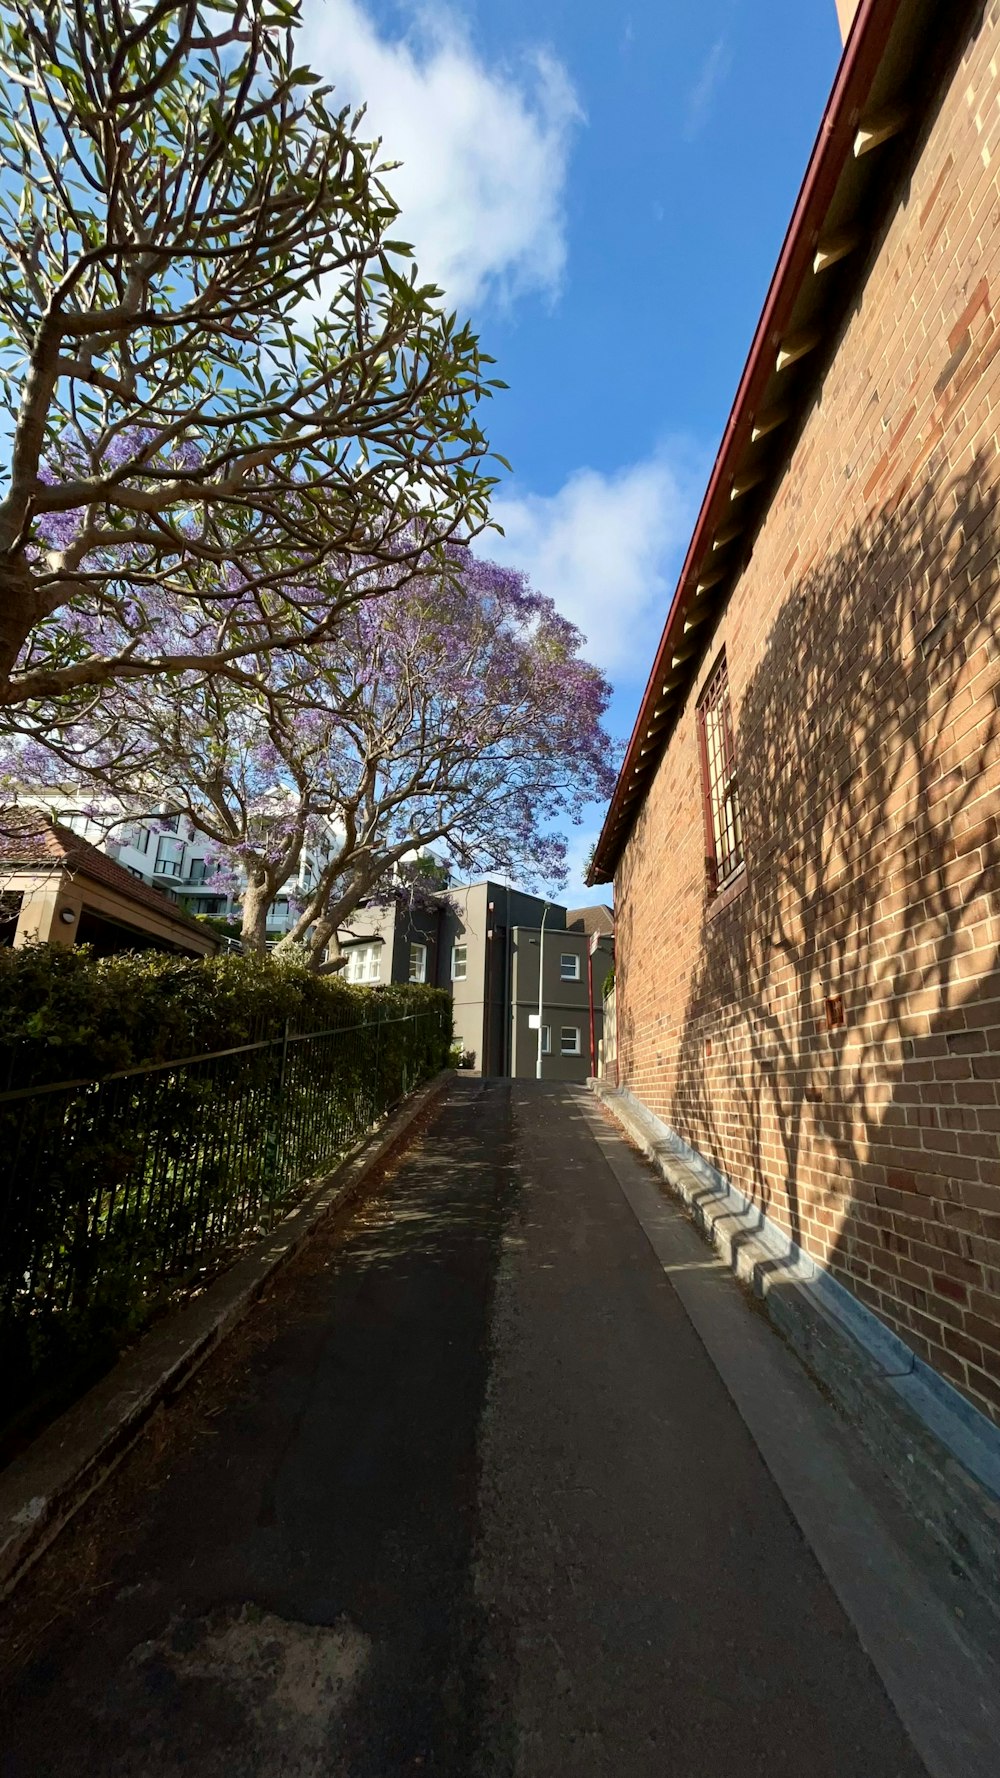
863, 52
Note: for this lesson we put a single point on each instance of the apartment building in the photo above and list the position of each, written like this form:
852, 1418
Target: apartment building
167, 852
491, 945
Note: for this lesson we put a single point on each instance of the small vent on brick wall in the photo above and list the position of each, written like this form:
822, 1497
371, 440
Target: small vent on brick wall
708, 1047
834, 1011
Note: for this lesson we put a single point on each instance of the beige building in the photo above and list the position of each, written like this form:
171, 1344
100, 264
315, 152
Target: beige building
56, 888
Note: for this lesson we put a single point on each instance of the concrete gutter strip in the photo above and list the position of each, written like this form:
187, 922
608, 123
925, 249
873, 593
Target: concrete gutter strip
936, 1448
42, 1489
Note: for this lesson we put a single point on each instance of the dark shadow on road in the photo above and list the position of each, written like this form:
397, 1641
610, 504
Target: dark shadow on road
310, 1524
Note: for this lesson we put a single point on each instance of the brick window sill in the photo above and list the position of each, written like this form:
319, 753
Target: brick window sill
724, 898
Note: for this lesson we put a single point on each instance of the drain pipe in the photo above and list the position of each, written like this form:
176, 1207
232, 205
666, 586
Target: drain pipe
541, 990
508, 1010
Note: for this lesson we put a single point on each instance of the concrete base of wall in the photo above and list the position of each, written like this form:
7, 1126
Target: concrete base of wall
939, 1452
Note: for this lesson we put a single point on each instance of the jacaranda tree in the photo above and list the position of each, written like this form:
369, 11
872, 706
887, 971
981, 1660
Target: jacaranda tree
229, 400
455, 713
475, 727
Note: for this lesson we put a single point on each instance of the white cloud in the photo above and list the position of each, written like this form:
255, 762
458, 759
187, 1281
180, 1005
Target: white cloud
606, 548
714, 69
484, 149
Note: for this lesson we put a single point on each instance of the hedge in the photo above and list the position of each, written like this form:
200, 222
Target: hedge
66, 1015
118, 1193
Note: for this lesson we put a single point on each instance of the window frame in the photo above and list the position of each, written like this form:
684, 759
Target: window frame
546, 1031
725, 853
574, 1031
572, 957
464, 948
421, 979
371, 951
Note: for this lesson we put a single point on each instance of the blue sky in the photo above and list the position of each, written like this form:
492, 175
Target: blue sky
604, 190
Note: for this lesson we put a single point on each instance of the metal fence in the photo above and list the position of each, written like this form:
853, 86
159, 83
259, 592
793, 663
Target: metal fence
116, 1193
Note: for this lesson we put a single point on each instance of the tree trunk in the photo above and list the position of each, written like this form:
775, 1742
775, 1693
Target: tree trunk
296, 934
322, 935
336, 960
18, 613
257, 899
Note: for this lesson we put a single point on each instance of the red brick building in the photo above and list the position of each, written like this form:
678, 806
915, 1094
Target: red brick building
805, 840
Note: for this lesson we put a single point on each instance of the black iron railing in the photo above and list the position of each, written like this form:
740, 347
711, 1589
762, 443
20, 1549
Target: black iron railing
117, 1193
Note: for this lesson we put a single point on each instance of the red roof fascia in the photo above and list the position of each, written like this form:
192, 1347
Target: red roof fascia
863, 52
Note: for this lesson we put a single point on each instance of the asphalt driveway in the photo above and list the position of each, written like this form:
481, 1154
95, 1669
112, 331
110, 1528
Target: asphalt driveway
466, 1496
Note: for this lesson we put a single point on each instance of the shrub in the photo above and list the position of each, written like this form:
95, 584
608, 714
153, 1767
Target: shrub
67, 1015
218, 923
116, 1194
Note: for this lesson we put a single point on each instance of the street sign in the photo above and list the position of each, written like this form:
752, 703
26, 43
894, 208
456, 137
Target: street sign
533, 1021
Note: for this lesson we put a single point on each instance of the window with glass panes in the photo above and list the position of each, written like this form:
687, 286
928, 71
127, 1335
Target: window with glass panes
364, 963
723, 824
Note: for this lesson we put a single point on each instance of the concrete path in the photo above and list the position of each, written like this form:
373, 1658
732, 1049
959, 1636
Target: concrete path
466, 1496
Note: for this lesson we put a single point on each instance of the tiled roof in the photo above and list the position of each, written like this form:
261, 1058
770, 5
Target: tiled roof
31, 839
594, 919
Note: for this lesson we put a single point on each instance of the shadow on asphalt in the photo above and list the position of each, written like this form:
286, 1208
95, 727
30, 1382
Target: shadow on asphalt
284, 1586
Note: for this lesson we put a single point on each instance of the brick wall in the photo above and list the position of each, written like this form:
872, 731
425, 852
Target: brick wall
863, 647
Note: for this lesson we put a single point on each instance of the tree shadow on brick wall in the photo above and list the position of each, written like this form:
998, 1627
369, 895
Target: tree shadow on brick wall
872, 867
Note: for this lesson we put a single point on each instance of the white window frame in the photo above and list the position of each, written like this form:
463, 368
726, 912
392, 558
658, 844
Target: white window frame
546, 1041
421, 963
572, 974
463, 974
571, 1031
365, 964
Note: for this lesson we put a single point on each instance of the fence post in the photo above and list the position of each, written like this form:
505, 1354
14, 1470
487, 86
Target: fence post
284, 1058
278, 1113
282, 1098
377, 1069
